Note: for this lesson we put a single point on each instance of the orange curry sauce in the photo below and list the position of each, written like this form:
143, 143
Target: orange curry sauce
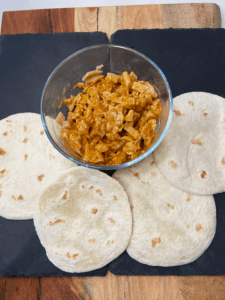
113, 119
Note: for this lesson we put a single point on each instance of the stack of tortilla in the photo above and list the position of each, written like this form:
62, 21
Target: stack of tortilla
161, 210
82, 216
174, 214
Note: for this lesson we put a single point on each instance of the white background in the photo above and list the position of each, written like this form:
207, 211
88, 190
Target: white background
9, 5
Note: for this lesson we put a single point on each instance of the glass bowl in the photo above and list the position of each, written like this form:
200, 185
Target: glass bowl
115, 59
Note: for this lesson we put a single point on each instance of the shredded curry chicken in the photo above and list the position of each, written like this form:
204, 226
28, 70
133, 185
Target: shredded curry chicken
113, 119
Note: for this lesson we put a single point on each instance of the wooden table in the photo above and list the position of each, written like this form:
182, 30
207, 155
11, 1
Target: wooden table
110, 19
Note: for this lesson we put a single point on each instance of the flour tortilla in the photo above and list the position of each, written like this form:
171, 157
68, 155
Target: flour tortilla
83, 220
28, 161
192, 154
170, 227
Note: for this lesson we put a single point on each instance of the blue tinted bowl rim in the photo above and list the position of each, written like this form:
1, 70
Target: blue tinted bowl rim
127, 164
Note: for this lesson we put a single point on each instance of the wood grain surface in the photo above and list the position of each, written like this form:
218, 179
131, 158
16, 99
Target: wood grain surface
112, 18
111, 287
19, 288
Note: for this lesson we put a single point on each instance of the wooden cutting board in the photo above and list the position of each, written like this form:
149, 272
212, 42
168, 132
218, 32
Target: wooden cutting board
110, 19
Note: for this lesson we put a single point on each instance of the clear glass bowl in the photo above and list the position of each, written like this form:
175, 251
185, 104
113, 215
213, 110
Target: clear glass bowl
115, 59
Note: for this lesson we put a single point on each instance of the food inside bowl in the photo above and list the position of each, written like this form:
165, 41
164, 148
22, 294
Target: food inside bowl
113, 119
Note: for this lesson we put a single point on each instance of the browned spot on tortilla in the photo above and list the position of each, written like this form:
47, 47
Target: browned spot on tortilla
153, 173
20, 197
99, 192
92, 241
2, 173
91, 187
191, 103
83, 186
199, 228
131, 207
68, 255
40, 177
75, 256
25, 156
94, 211
112, 221
182, 258
188, 198
188, 226
14, 197
78, 232
115, 198
42, 132
223, 161
108, 243
205, 112
143, 182
203, 174
152, 163
56, 253
155, 242
5, 133
65, 195
25, 140
173, 164
197, 142
2, 152
178, 113
170, 206
8, 121
57, 221
25, 128
60, 104
147, 182
136, 175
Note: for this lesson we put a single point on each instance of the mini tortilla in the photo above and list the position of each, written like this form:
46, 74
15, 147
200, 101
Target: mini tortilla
170, 227
83, 220
28, 161
192, 154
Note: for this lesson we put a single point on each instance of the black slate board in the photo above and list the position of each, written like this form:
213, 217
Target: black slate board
192, 60
26, 61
